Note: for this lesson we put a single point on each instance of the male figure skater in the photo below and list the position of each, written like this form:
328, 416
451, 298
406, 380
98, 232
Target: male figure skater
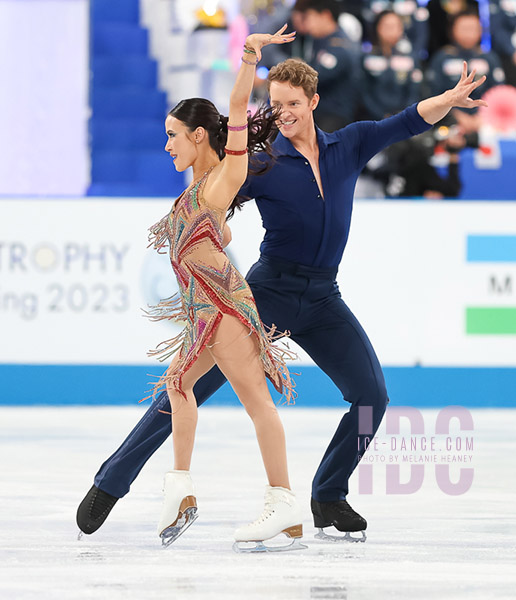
305, 201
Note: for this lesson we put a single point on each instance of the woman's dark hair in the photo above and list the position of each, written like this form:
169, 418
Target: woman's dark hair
199, 112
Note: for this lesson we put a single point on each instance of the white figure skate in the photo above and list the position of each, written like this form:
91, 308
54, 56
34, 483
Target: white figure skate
179, 506
281, 514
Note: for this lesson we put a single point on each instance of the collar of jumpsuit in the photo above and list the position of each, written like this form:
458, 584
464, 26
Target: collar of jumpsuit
283, 146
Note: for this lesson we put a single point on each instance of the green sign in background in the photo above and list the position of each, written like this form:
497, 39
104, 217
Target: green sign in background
491, 320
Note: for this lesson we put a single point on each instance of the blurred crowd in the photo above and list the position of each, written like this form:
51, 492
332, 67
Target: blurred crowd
376, 57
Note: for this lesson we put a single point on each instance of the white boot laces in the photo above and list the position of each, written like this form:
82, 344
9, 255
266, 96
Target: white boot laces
270, 501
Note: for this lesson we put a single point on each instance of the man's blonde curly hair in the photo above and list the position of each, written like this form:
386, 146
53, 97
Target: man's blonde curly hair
296, 72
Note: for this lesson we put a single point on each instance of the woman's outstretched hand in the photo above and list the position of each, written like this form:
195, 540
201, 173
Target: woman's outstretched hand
257, 41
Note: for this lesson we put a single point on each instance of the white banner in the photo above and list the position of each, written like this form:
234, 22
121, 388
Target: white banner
75, 275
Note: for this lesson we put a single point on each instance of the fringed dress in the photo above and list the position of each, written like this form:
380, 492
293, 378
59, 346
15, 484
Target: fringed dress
209, 286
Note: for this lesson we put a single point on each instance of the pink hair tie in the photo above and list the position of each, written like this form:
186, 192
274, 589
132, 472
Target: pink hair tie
237, 127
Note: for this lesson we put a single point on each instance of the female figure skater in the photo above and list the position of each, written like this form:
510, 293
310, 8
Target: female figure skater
222, 323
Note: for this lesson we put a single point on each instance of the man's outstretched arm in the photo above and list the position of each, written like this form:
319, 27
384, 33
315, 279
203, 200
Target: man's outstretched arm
436, 108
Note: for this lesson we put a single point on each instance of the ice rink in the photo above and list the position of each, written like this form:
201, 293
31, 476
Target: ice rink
427, 544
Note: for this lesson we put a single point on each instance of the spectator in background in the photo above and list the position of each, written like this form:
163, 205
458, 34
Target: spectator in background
408, 169
503, 35
414, 20
446, 65
440, 16
294, 18
335, 58
391, 76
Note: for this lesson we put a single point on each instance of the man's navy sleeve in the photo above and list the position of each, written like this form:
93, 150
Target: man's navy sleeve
247, 188
369, 137
260, 165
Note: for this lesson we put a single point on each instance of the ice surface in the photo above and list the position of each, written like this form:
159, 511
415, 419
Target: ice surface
422, 545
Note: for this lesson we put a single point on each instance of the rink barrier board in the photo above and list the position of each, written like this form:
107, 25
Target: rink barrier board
61, 385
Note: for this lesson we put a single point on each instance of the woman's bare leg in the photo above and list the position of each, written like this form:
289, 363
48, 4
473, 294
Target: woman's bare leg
184, 412
237, 356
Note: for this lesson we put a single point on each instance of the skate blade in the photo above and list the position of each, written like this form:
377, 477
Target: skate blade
347, 537
254, 547
79, 537
170, 534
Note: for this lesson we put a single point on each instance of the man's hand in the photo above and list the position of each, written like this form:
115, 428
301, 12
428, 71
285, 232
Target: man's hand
458, 97
436, 108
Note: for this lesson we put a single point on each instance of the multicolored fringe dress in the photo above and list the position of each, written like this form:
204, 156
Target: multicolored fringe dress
210, 286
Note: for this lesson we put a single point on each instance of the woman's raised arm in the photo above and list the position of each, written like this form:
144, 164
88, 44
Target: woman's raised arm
233, 172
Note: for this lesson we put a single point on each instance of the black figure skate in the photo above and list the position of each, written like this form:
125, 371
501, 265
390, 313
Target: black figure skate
339, 514
94, 510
